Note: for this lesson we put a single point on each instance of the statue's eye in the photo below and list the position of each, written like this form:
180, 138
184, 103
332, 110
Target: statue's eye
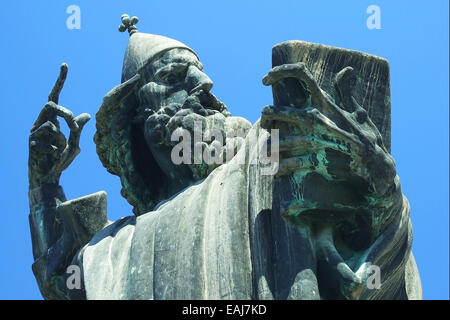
174, 76
171, 78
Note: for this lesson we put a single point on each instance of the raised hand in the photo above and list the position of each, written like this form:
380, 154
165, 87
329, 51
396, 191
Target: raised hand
49, 151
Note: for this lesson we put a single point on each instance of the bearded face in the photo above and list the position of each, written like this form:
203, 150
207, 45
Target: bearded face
176, 94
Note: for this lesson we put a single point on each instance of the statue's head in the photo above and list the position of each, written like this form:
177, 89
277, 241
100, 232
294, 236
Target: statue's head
173, 92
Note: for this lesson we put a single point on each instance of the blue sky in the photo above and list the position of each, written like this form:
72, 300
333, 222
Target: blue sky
234, 40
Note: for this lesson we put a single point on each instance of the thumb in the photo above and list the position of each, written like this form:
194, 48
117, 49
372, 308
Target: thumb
82, 119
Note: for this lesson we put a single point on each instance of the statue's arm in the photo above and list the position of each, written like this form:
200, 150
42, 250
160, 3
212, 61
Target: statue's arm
53, 246
49, 154
60, 228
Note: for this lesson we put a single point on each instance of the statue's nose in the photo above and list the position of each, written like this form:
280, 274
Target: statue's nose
198, 80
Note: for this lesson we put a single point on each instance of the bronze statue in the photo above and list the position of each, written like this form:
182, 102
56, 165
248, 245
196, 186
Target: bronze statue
327, 217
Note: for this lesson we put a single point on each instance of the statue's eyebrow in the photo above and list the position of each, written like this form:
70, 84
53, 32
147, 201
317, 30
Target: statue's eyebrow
174, 66
169, 68
188, 61
176, 63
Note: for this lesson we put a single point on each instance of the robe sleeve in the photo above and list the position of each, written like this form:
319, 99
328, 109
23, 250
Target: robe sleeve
59, 228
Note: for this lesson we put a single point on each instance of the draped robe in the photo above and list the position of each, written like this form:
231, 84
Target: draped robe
222, 238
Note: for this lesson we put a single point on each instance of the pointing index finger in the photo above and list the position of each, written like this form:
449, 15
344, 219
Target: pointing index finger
59, 84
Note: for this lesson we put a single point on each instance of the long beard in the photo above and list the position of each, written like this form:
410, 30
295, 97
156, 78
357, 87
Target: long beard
197, 107
200, 111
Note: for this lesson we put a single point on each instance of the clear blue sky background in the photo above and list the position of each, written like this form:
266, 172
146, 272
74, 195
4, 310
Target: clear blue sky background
234, 41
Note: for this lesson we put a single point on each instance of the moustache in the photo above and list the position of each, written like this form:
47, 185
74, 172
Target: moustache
204, 103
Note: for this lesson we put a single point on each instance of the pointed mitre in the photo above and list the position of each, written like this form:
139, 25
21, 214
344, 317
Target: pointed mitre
143, 48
